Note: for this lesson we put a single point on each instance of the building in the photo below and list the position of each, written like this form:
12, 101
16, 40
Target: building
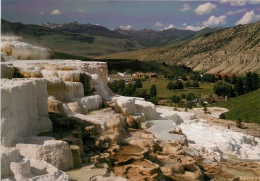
151, 75
120, 76
139, 75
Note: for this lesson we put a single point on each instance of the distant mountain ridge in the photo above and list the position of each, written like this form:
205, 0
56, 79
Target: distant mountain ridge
75, 27
94, 40
231, 50
145, 37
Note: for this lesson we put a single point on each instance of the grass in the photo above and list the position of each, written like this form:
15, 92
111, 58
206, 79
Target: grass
205, 90
59, 55
247, 107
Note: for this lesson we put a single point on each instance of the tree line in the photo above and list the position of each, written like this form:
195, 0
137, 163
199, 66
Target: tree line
133, 89
237, 85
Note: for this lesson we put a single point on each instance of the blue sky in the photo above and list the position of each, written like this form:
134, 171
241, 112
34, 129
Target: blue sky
157, 15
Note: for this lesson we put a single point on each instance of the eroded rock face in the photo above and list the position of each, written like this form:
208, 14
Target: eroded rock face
55, 152
146, 108
24, 109
7, 71
64, 91
124, 105
14, 167
90, 102
8, 155
138, 108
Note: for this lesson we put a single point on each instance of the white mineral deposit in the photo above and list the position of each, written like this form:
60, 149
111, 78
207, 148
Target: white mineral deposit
80, 90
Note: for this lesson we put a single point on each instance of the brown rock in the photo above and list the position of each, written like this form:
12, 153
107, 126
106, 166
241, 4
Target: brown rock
55, 106
76, 156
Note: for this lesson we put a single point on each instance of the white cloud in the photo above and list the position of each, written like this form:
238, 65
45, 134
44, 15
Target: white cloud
224, 1
158, 24
42, 12
194, 28
171, 26
205, 8
249, 17
127, 27
56, 12
215, 21
185, 7
184, 24
81, 11
236, 12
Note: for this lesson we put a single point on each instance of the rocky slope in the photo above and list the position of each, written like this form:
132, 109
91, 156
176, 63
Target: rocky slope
232, 50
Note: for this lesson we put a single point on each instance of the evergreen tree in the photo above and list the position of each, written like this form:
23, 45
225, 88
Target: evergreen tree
195, 84
249, 82
190, 96
138, 83
183, 77
212, 78
197, 76
120, 86
221, 88
153, 91
231, 91
142, 93
255, 81
129, 71
170, 85
239, 122
175, 99
239, 87
179, 84
112, 86
113, 71
233, 79
219, 77
226, 78
129, 90
188, 83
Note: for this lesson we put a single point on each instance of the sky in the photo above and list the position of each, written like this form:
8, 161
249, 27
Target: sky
158, 15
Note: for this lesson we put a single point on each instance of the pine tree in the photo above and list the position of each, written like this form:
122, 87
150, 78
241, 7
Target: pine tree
170, 85
175, 99
233, 79
138, 83
255, 81
239, 87
153, 91
249, 82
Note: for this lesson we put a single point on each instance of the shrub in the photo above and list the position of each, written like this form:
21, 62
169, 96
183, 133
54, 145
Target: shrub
239, 122
222, 116
154, 100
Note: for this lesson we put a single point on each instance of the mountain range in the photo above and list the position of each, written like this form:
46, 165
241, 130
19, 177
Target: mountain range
230, 50
213, 50
145, 37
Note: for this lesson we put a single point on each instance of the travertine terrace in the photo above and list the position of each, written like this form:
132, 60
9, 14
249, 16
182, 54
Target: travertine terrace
58, 115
